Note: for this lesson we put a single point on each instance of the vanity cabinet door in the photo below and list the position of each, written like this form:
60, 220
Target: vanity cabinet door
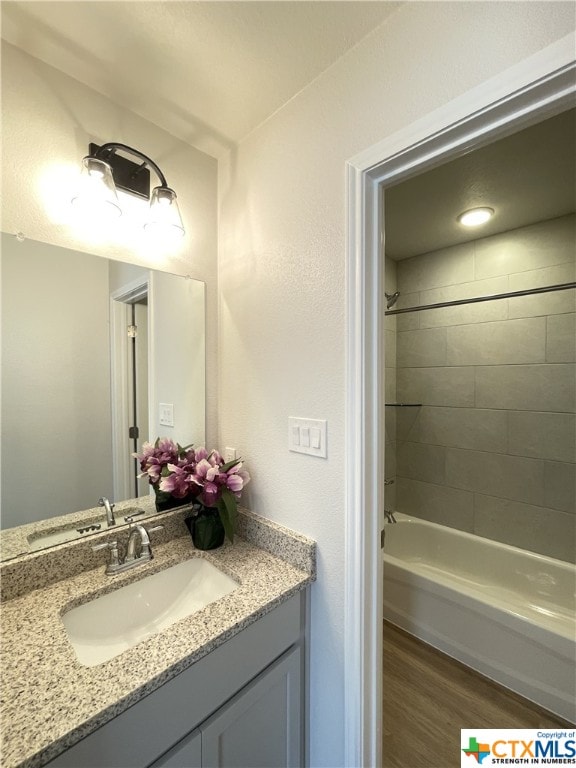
186, 754
261, 726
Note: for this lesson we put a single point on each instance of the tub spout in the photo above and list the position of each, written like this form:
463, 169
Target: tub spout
389, 516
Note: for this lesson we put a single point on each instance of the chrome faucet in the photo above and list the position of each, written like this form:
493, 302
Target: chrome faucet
389, 516
103, 502
137, 531
135, 555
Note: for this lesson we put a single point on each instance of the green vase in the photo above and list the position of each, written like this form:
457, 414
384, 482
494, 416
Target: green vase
206, 529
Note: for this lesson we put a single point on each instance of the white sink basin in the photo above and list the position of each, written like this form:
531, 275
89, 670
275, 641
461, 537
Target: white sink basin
109, 625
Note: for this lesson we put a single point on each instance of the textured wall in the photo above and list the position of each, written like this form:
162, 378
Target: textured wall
48, 119
492, 449
283, 281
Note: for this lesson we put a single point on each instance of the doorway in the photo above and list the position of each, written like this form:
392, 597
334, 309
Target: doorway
527, 93
130, 386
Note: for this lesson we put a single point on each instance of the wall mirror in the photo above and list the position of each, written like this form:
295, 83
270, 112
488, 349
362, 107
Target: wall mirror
97, 356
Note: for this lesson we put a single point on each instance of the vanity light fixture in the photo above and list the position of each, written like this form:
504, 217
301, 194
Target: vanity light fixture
104, 171
474, 217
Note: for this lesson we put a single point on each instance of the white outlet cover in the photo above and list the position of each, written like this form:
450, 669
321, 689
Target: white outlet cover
166, 415
229, 454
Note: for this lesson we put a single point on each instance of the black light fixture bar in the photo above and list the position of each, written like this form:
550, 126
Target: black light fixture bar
129, 176
106, 169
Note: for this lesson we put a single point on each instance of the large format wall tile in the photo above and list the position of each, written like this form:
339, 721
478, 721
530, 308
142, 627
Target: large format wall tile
509, 477
445, 267
411, 320
540, 304
561, 339
421, 348
542, 435
537, 278
560, 486
465, 313
390, 384
527, 526
527, 387
390, 349
501, 343
474, 428
436, 386
542, 245
469, 290
436, 503
421, 462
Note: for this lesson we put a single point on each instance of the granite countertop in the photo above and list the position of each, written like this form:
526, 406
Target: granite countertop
50, 701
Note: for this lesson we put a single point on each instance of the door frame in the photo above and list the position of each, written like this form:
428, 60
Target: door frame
538, 87
121, 448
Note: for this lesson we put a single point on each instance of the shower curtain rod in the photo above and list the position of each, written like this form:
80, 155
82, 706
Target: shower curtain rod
477, 299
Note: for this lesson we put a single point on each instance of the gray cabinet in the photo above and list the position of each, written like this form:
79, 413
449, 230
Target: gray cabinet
186, 754
245, 694
258, 728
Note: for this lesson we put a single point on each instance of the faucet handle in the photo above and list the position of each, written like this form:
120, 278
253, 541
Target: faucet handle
113, 547
389, 482
146, 548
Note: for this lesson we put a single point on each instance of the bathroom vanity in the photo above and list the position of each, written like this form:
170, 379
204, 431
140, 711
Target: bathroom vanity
224, 686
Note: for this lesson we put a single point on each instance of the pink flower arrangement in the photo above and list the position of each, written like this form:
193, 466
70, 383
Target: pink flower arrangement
195, 472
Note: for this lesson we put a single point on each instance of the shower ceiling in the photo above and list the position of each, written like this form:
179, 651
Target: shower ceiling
527, 177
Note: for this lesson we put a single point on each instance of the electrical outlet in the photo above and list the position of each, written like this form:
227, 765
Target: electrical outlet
229, 454
167, 414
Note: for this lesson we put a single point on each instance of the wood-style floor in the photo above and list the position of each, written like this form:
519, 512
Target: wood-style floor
428, 697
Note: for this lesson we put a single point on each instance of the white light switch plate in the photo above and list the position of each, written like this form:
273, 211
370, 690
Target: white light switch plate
167, 414
307, 436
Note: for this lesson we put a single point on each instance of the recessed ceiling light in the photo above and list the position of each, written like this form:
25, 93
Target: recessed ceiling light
475, 216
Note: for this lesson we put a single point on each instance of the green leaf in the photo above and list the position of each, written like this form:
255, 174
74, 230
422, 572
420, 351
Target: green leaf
227, 509
229, 465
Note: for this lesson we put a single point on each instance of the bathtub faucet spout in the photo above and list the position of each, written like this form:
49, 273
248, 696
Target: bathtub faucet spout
389, 516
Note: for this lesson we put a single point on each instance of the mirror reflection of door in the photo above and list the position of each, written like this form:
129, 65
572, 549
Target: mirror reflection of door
137, 390
129, 341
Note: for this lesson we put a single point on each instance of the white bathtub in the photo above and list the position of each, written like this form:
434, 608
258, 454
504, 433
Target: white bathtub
505, 612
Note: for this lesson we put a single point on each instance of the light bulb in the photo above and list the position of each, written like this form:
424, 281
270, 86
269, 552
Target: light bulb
96, 195
164, 221
474, 217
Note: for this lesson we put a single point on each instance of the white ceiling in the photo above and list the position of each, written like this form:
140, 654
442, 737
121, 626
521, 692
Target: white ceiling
207, 72
526, 177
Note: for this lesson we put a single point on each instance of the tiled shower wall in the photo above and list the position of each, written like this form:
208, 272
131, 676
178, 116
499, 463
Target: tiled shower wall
491, 450
390, 329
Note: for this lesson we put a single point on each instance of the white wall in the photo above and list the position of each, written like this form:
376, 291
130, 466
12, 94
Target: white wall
56, 432
282, 275
48, 120
176, 325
